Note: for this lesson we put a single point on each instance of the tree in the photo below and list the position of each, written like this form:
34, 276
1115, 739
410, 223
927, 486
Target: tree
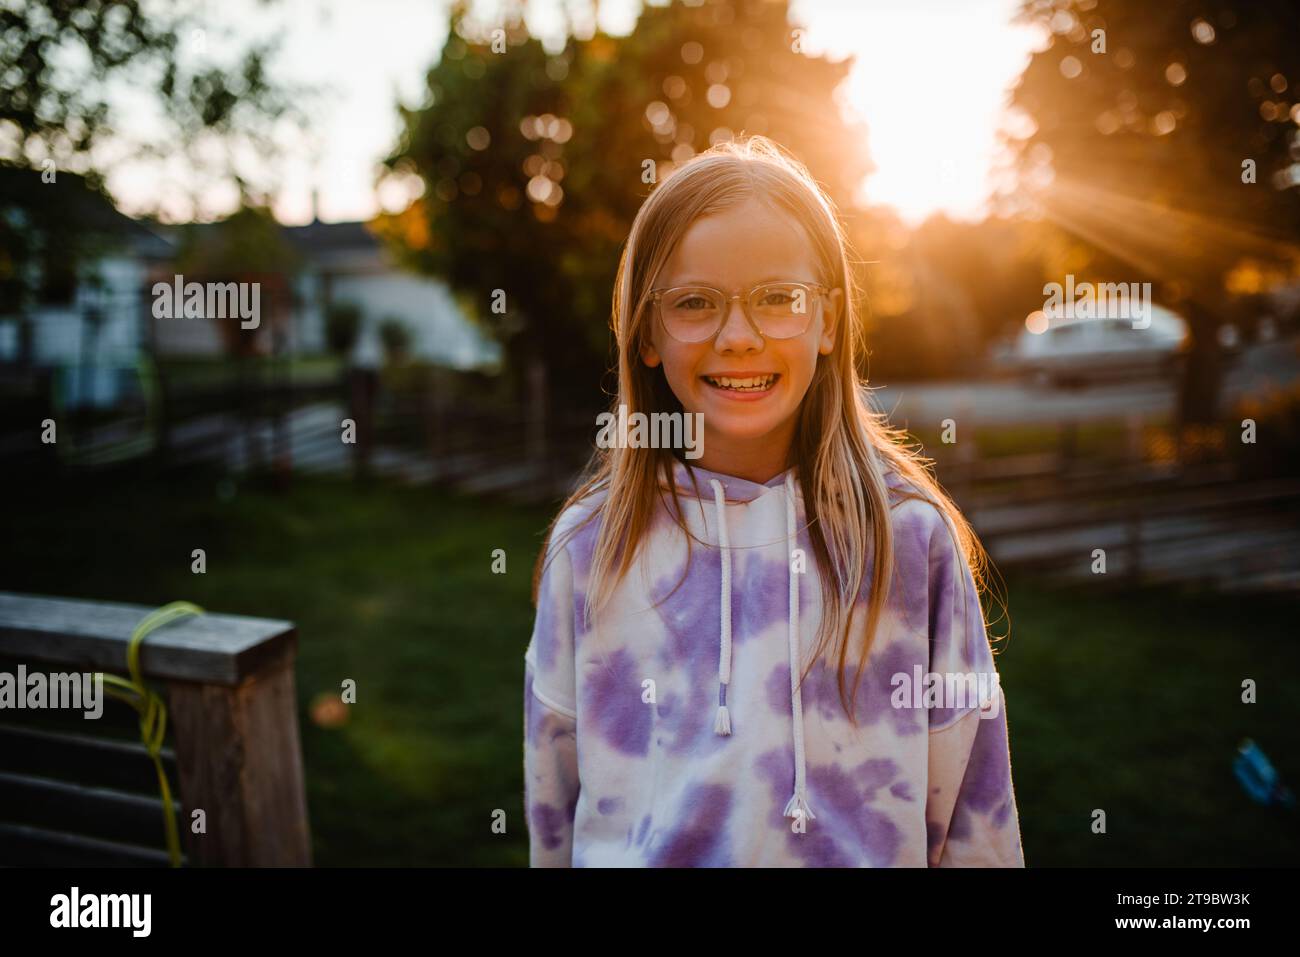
248, 246
940, 294
60, 61
1163, 136
532, 164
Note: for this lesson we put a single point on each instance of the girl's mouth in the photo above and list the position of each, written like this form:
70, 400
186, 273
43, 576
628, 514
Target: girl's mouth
743, 385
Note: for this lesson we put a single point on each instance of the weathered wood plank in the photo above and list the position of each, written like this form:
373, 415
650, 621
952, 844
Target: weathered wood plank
210, 648
240, 760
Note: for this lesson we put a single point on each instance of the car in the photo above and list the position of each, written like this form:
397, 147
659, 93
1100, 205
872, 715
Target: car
1076, 351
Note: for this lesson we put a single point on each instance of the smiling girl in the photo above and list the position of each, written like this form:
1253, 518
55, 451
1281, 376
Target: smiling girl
721, 673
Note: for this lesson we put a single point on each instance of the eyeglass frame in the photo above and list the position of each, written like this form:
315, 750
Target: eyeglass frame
655, 295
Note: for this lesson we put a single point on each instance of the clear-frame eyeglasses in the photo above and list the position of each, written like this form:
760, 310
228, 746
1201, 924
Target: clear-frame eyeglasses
777, 310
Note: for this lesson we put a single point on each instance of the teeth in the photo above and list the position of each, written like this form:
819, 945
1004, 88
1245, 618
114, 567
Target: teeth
751, 384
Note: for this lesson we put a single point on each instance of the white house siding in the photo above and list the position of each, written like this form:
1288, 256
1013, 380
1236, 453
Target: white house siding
308, 327
64, 339
440, 332
187, 337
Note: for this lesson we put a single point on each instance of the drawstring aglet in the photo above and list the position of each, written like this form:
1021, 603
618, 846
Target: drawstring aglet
722, 724
798, 807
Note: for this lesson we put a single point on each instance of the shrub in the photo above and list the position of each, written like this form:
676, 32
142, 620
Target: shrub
342, 324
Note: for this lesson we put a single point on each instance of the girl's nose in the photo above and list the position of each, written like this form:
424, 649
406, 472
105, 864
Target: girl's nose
736, 334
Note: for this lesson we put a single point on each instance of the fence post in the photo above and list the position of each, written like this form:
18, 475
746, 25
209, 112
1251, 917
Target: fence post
364, 382
240, 760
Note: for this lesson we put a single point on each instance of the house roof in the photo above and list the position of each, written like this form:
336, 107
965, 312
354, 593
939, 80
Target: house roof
68, 196
318, 237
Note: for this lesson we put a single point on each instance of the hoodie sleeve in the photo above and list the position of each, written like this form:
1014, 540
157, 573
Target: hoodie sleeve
550, 720
971, 816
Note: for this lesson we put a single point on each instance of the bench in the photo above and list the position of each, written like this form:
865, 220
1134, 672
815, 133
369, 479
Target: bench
73, 795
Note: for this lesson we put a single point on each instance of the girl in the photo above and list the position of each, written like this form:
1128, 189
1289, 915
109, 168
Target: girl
688, 698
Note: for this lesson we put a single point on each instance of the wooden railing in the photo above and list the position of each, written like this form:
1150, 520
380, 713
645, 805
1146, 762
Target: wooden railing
232, 717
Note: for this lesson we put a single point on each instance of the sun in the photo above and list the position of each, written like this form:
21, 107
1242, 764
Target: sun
930, 78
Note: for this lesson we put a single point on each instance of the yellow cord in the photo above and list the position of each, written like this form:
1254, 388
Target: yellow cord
153, 712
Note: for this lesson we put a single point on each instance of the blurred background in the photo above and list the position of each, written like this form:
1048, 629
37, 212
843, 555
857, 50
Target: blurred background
433, 197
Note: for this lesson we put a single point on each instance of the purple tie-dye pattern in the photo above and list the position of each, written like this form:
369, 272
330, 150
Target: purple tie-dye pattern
580, 624
777, 690
686, 601
959, 642
944, 607
612, 696
550, 823
761, 597
844, 795
865, 803
909, 592
690, 653
609, 805
581, 547
986, 788
847, 832
547, 624
873, 699
667, 706
700, 837
582, 542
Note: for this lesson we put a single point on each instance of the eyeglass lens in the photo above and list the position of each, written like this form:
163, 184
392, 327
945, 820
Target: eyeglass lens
780, 310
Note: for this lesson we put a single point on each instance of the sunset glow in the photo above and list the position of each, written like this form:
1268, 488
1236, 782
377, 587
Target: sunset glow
930, 80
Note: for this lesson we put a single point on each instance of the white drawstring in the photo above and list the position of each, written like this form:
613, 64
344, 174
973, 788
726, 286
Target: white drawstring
722, 725
798, 805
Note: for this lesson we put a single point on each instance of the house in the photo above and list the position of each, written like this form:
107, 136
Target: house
346, 262
73, 273
92, 324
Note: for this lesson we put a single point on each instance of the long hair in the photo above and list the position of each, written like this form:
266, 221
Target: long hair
841, 447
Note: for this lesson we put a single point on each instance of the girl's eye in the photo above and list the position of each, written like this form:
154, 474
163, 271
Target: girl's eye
775, 299
693, 302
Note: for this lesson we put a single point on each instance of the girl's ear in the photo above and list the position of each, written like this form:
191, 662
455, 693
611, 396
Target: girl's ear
649, 355
831, 316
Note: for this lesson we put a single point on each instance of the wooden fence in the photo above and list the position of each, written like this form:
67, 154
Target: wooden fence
79, 798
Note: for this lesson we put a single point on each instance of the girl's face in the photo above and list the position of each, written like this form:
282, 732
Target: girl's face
734, 251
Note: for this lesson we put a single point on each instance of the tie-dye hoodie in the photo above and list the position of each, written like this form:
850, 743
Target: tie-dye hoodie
666, 732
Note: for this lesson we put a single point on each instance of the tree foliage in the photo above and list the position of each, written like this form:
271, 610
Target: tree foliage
1147, 120
533, 163
69, 71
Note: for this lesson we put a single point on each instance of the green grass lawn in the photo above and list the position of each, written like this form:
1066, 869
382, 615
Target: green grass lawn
1125, 702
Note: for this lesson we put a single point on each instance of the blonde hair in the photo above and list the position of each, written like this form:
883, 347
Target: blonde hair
841, 447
